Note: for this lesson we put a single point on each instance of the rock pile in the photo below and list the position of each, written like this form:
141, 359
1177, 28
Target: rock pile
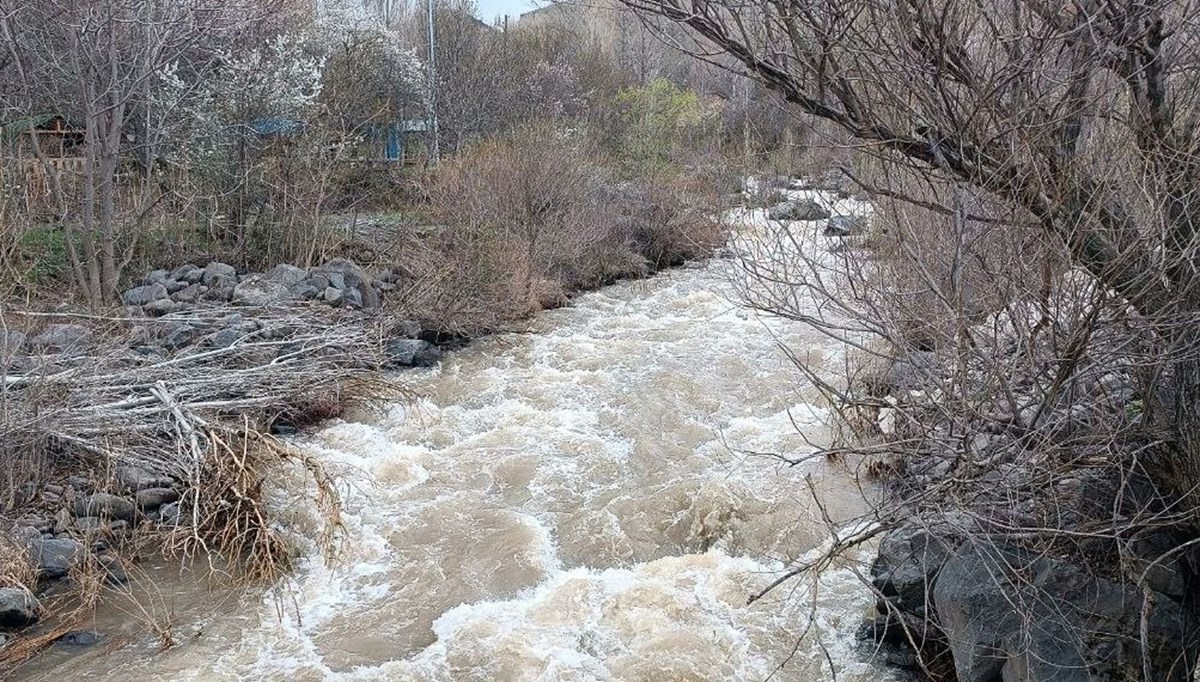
337, 283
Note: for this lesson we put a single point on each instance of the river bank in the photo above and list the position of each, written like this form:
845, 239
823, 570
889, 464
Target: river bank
152, 429
612, 448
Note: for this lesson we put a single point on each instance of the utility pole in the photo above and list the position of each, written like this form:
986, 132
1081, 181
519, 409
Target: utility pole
433, 82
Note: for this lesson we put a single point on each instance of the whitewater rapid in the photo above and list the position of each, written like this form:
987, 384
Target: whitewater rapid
592, 499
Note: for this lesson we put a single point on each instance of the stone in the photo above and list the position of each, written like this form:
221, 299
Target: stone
61, 337
345, 275
317, 281
169, 514
845, 226
907, 564
55, 557
411, 353
90, 524
142, 295
106, 505
26, 536
219, 275
304, 292
1087, 627
225, 338
114, 570
18, 608
353, 298
406, 329
178, 335
174, 286
333, 296
286, 274
189, 294
798, 210
222, 293
188, 272
163, 306
152, 498
80, 638
132, 478
157, 277
257, 291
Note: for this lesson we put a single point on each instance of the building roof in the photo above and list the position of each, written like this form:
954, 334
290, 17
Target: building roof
13, 129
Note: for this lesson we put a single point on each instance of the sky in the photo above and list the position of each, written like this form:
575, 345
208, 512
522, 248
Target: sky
490, 9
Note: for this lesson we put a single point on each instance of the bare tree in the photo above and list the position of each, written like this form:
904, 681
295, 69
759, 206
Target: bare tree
100, 63
1035, 165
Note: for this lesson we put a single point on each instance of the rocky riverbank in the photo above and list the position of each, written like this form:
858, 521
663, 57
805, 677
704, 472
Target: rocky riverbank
1024, 536
153, 428
126, 422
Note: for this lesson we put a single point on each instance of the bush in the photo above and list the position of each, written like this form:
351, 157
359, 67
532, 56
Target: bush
531, 217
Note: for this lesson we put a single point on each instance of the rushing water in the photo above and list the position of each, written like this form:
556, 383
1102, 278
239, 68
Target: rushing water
584, 501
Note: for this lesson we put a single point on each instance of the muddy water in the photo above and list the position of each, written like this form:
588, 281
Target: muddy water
586, 501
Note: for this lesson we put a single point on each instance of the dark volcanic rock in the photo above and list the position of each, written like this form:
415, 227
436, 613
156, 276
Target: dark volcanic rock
412, 353
1013, 615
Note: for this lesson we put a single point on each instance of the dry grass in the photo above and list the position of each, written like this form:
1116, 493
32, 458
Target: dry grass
201, 416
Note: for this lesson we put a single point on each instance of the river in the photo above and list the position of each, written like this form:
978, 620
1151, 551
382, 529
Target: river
587, 500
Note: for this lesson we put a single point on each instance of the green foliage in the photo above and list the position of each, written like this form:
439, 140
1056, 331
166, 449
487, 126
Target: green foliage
43, 250
660, 122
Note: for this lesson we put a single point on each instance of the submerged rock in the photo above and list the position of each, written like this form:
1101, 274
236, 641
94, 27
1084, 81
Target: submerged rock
412, 353
798, 210
81, 638
845, 226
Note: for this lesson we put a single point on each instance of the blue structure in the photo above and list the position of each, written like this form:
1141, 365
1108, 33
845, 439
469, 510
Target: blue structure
397, 136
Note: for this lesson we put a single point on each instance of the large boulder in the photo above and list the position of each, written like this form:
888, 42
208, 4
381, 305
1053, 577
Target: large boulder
260, 291
1009, 614
18, 608
802, 209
